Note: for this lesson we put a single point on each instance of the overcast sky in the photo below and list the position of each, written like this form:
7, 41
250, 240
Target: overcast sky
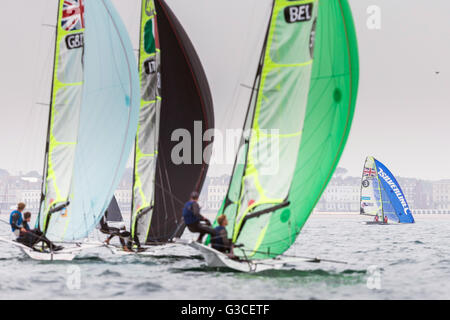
402, 115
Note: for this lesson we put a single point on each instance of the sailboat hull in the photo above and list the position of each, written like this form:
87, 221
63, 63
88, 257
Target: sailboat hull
376, 223
64, 255
216, 259
41, 256
148, 250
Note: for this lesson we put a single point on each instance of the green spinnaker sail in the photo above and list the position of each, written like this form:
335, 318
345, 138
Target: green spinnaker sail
146, 148
300, 117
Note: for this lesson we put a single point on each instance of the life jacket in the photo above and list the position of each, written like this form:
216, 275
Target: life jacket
217, 241
188, 214
19, 222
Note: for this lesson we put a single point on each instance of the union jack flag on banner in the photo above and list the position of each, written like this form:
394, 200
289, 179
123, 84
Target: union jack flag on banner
369, 172
73, 15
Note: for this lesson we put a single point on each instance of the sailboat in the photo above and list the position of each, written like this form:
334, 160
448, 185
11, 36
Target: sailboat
92, 123
175, 95
381, 195
303, 100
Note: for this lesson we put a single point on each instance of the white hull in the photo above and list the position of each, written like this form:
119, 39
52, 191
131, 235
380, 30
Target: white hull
218, 259
149, 250
376, 223
64, 255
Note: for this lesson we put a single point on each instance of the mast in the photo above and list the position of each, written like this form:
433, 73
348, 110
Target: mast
47, 142
146, 142
379, 189
251, 110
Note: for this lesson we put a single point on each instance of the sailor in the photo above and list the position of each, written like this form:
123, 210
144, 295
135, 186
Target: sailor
114, 232
31, 237
16, 220
193, 218
220, 241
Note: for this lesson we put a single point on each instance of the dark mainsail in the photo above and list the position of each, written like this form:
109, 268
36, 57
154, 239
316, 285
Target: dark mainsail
185, 103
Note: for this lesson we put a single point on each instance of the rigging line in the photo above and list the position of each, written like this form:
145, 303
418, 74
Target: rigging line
170, 190
254, 98
246, 61
47, 141
316, 259
248, 87
171, 200
30, 116
163, 194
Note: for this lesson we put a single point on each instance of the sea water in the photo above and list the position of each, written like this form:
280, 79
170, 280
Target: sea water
383, 262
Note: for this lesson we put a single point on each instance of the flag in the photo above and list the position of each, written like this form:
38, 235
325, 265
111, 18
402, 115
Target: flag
73, 15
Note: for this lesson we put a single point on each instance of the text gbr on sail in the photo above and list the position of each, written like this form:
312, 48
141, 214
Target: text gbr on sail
75, 41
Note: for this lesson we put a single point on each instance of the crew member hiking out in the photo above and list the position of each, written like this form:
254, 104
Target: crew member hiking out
114, 232
193, 218
220, 241
20, 227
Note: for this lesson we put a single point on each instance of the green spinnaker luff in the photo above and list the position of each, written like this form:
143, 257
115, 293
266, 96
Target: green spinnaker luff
146, 148
300, 117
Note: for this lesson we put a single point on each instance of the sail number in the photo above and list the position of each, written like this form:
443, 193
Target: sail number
75, 41
299, 13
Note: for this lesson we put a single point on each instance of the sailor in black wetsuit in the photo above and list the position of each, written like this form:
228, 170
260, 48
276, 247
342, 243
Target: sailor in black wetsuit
114, 232
192, 218
220, 241
30, 237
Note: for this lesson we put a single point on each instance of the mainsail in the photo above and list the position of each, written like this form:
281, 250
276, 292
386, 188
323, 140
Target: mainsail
175, 95
381, 194
299, 119
93, 118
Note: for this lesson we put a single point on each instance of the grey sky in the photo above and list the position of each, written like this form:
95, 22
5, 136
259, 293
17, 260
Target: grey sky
402, 112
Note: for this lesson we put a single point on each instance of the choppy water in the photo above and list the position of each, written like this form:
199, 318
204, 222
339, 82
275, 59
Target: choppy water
412, 261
